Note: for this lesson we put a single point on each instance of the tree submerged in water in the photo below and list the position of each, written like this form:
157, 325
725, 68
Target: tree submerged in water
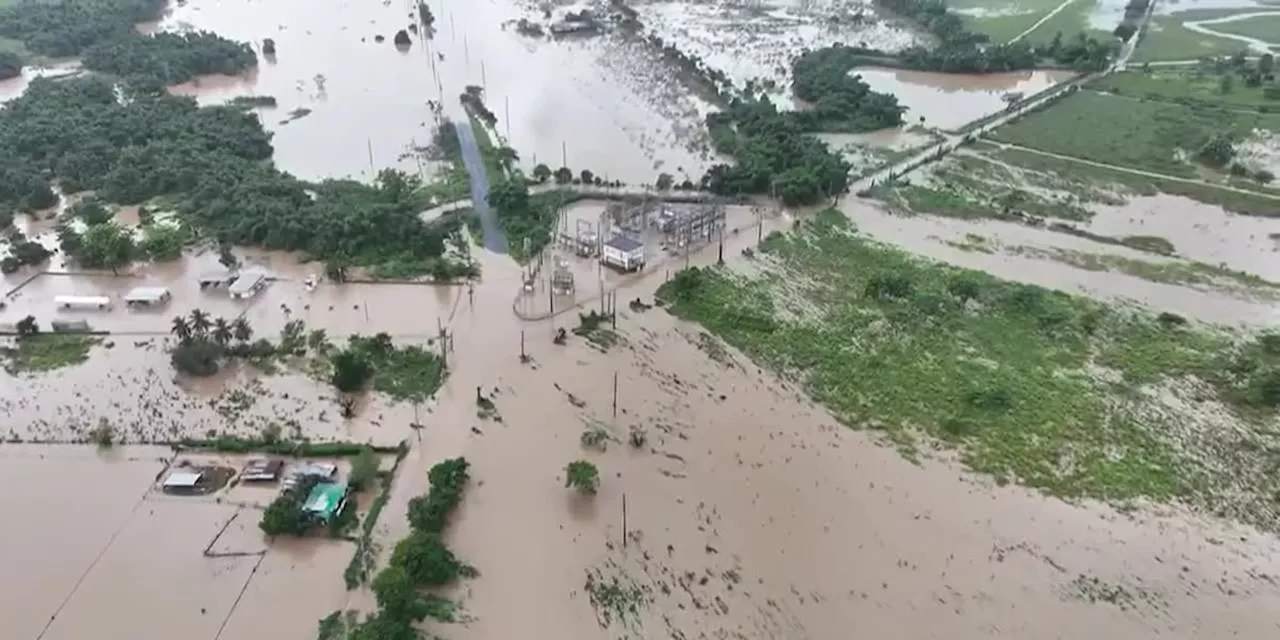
425, 15
402, 38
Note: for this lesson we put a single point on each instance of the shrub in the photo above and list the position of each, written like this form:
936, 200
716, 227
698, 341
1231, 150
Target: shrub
364, 468
582, 475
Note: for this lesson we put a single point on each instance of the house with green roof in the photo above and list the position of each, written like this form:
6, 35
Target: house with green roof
326, 501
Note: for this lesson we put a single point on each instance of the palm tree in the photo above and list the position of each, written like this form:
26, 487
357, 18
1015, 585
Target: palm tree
200, 322
221, 331
241, 329
181, 328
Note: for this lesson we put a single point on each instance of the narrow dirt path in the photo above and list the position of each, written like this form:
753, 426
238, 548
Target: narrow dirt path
1047, 17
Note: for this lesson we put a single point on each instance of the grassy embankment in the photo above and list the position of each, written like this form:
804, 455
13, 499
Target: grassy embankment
1265, 28
1190, 86
1029, 385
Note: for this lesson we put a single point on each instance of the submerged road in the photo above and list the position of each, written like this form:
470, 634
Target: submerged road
494, 239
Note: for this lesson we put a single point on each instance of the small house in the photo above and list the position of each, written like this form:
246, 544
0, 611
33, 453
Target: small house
146, 296
219, 277
247, 284
326, 501
82, 302
69, 326
262, 470
182, 480
324, 471
623, 253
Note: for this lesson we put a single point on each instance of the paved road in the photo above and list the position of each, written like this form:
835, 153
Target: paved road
494, 239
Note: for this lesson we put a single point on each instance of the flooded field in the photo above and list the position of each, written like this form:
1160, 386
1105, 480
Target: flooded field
600, 103
758, 41
119, 558
950, 101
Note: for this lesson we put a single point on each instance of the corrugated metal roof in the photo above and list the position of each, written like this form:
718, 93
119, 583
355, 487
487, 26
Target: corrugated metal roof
325, 498
182, 479
624, 243
147, 294
246, 282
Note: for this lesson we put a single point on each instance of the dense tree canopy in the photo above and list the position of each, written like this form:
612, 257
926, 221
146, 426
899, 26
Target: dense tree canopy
216, 160
169, 58
10, 65
773, 154
65, 29
839, 101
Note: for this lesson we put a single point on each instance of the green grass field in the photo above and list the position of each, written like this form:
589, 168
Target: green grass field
1002, 20
1167, 39
1129, 132
1265, 28
1183, 84
1007, 374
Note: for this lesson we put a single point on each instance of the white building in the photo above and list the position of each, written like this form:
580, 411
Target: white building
247, 284
146, 296
82, 302
623, 253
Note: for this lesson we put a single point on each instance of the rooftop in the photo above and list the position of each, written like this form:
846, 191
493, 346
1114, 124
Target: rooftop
185, 479
625, 244
146, 294
247, 280
219, 274
326, 499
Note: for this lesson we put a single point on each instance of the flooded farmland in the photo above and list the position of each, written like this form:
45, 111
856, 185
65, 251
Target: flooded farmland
603, 103
746, 511
950, 101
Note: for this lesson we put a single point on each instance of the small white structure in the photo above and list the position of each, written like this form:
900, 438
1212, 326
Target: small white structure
182, 480
82, 302
624, 253
247, 284
146, 296
219, 277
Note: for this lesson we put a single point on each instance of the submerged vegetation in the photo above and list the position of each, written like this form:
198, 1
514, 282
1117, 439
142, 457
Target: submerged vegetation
35, 352
214, 162
1032, 386
420, 561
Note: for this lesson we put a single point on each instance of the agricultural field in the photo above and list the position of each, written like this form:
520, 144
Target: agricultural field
1058, 392
1265, 28
1199, 84
1003, 20
1187, 35
1163, 137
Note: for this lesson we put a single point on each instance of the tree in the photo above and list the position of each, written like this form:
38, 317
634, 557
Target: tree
1266, 64
364, 468
964, 288
222, 333
541, 173
225, 256
283, 516
397, 597
180, 328
509, 196
425, 15
163, 242
587, 176
200, 322
106, 246
563, 175
351, 371
10, 65
664, 181
402, 38
90, 211
241, 330
198, 357
1226, 83
1217, 152
507, 156
426, 560
582, 475
27, 326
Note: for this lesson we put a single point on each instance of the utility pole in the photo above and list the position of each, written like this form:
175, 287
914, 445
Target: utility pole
624, 519
522, 355
484, 79
564, 154
615, 394
369, 145
507, 102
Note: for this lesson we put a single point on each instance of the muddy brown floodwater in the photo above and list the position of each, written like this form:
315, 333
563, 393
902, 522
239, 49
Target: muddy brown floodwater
753, 514
950, 101
598, 103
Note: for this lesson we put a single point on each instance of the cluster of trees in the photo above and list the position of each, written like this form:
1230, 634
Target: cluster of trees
129, 144
421, 560
102, 33
839, 101
204, 342
962, 51
1133, 12
1260, 74
773, 153
524, 216
564, 175
712, 81
103, 244
23, 251
166, 59
65, 29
